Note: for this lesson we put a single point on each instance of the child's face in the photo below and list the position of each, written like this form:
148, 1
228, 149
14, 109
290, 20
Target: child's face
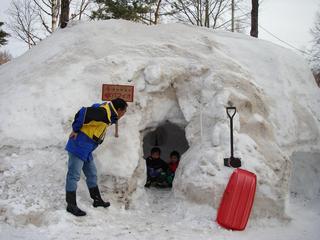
155, 155
173, 159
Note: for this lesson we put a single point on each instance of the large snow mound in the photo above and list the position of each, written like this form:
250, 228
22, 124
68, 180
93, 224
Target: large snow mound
182, 74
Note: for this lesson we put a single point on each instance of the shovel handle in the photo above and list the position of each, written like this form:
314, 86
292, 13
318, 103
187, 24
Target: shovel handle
234, 111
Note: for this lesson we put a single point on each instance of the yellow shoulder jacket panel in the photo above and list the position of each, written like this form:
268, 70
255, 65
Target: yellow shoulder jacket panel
96, 122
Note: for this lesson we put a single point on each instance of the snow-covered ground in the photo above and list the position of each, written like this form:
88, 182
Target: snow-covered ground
183, 75
159, 216
33, 181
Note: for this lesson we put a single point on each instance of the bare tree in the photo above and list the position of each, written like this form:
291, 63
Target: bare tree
58, 12
240, 26
80, 8
33, 20
314, 56
317, 78
157, 12
232, 16
24, 22
155, 7
5, 56
65, 9
254, 18
48, 10
207, 13
315, 50
77, 8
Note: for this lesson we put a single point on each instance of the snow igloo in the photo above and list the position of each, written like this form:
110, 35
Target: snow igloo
184, 78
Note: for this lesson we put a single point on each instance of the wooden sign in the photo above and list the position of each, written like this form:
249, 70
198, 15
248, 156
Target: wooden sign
112, 91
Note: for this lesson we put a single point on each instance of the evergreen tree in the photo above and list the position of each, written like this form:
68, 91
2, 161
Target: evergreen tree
3, 35
134, 10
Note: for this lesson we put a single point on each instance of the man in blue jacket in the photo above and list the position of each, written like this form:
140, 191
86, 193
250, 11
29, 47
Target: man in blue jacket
88, 131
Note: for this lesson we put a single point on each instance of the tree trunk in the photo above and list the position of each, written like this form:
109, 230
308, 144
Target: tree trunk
197, 9
55, 13
232, 16
317, 78
156, 14
65, 8
254, 18
207, 15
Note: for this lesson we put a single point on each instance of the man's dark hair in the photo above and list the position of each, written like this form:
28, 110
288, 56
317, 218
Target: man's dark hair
119, 103
155, 149
175, 153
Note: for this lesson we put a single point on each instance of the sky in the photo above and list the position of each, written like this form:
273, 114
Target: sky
288, 20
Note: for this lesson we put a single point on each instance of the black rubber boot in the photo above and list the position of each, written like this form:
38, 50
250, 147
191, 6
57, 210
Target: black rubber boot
72, 205
97, 200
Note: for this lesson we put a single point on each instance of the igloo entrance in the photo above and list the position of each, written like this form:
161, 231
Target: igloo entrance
167, 137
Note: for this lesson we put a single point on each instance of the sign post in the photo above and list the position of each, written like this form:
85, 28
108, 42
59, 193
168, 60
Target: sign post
112, 91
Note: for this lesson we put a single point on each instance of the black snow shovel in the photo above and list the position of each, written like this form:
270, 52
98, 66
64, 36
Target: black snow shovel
232, 161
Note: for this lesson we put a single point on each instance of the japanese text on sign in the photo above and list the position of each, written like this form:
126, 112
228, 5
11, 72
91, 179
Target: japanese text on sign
111, 91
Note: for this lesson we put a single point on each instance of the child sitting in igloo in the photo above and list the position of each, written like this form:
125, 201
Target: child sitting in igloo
173, 164
156, 169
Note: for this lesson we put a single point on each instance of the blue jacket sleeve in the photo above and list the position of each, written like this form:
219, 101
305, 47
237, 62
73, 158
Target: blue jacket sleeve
79, 119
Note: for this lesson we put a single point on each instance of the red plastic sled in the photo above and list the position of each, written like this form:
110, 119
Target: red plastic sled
237, 200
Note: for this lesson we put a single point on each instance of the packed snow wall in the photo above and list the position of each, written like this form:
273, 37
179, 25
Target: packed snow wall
182, 74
